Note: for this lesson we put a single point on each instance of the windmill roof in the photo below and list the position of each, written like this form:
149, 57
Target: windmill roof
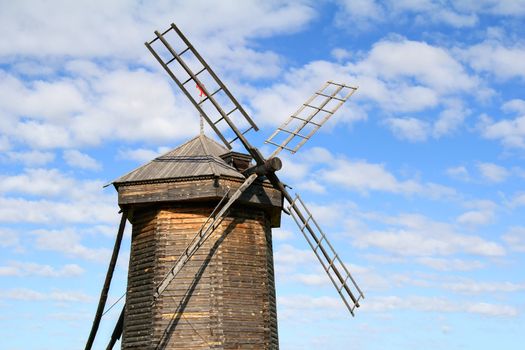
198, 157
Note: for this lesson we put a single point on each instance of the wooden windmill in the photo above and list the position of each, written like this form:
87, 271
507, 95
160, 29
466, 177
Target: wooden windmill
201, 262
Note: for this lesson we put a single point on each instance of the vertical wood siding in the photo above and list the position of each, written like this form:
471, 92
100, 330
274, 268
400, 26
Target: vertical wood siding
224, 298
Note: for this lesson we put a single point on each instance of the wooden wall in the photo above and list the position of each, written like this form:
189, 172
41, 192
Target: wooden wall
224, 298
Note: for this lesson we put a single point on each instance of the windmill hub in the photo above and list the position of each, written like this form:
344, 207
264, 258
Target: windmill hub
270, 166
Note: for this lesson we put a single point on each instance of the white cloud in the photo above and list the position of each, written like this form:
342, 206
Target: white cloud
411, 129
505, 62
482, 212
476, 287
435, 304
5, 145
412, 234
450, 119
31, 158
493, 172
516, 105
80, 160
229, 21
40, 182
363, 13
431, 66
459, 172
476, 217
68, 242
9, 238
449, 264
363, 177
359, 12
141, 155
18, 210
308, 308
312, 186
281, 234
341, 54
312, 279
501, 7
24, 294
511, 132
518, 200
22, 269
515, 238
416, 130
288, 255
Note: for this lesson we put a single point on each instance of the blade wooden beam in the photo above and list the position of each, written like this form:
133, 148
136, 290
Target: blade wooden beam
107, 282
336, 270
202, 235
307, 116
219, 114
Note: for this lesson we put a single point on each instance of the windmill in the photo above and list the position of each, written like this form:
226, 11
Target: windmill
243, 194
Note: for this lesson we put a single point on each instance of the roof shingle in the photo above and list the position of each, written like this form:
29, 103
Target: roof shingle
198, 157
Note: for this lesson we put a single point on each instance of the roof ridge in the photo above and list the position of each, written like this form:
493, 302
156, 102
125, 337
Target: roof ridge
202, 139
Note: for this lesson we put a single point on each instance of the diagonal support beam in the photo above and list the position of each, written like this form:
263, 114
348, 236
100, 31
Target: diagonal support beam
107, 282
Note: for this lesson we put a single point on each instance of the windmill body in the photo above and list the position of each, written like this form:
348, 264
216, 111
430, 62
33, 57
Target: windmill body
224, 298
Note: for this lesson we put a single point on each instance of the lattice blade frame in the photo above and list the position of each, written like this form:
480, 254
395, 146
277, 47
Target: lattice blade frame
215, 113
334, 267
308, 116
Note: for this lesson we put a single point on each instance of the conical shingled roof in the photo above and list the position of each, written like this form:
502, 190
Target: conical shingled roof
198, 157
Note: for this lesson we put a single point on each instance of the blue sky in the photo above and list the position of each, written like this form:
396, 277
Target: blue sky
418, 180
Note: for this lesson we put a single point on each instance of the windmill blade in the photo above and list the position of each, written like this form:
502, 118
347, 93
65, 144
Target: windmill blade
312, 114
341, 278
202, 235
107, 282
187, 66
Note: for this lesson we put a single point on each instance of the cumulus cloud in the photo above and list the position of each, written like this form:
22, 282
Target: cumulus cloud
80, 160
23, 269
411, 129
515, 238
68, 242
450, 264
232, 22
362, 176
518, 200
141, 155
436, 304
415, 130
505, 62
24, 294
429, 65
493, 172
477, 287
20, 210
459, 172
416, 235
308, 307
361, 13
9, 238
31, 158
510, 132
481, 212
40, 182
